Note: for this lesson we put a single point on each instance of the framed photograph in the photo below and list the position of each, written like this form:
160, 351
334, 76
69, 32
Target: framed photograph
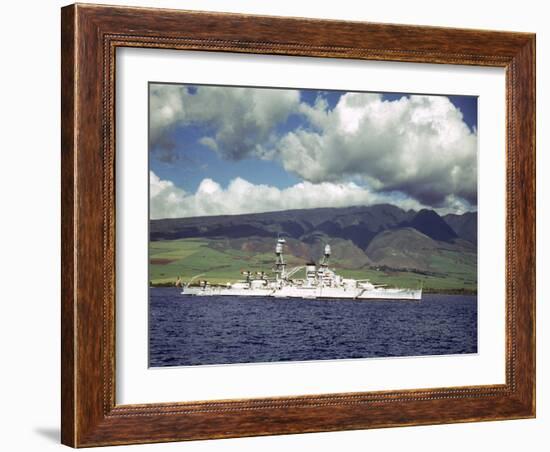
281, 225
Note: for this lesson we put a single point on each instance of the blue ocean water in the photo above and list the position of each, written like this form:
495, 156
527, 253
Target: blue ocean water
186, 330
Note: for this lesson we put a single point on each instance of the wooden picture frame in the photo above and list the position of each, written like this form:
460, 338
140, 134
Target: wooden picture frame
90, 36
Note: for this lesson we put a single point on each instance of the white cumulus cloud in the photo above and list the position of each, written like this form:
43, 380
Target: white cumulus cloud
164, 197
418, 145
241, 196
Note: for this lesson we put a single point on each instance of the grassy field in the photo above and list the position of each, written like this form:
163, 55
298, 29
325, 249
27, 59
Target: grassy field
189, 257
170, 259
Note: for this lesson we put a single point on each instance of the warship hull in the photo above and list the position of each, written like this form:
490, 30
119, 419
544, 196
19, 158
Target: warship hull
314, 293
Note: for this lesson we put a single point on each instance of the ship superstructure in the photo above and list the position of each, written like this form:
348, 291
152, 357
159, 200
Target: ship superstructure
319, 282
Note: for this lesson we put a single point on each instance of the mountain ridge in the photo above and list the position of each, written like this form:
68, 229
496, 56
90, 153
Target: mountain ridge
360, 224
383, 241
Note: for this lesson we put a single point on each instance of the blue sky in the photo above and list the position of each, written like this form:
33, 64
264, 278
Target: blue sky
280, 138
189, 162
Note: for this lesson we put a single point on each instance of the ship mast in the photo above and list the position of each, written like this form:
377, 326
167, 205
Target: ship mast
323, 274
326, 256
280, 264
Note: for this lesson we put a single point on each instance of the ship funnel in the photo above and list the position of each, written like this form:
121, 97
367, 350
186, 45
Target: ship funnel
327, 250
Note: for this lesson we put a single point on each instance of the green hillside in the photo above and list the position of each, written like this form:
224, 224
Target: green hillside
445, 268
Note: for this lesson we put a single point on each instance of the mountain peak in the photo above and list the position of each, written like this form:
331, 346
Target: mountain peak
431, 224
